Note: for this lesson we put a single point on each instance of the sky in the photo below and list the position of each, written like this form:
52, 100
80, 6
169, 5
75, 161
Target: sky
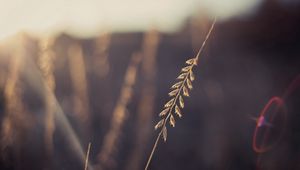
89, 17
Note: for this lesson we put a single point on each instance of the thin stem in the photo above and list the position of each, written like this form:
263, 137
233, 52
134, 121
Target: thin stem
153, 149
206, 38
87, 157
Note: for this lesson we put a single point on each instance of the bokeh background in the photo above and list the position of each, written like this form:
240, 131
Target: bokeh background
75, 72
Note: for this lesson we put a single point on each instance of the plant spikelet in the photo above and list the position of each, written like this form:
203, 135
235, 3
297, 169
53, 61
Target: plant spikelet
181, 88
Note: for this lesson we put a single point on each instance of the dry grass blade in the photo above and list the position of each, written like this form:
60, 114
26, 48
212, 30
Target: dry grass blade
186, 76
87, 157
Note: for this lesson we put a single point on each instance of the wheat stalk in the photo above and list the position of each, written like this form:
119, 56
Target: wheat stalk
80, 87
119, 114
101, 65
14, 106
178, 91
15, 122
147, 97
46, 65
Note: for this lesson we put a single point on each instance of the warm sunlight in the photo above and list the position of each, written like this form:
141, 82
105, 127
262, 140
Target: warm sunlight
149, 84
87, 18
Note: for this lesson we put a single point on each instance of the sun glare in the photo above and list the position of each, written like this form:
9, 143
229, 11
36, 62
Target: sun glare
87, 18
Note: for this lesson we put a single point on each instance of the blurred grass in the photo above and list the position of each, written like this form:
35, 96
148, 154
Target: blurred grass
246, 62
